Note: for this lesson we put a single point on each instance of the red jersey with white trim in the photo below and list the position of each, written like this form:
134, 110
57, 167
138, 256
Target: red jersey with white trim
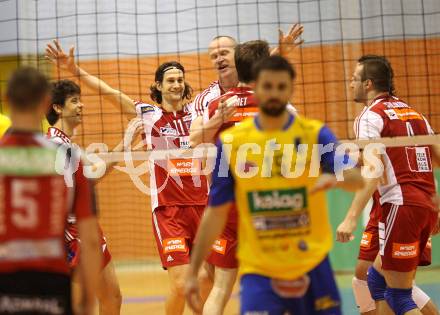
173, 181
35, 204
59, 137
408, 177
202, 100
246, 106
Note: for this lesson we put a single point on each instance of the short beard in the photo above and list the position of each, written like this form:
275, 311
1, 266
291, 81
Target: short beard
274, 111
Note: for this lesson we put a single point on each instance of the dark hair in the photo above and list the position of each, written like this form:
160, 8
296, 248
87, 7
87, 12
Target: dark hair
246, 55
378, 69
61, 91
156, 95
27, 88
274, 63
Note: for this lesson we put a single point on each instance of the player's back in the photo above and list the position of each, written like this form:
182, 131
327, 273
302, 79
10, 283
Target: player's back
35, 203
408, 175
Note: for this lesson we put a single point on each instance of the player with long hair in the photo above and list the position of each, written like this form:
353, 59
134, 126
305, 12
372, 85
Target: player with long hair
178, 189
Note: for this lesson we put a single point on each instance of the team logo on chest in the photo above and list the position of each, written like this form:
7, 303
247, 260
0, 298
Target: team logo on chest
168, 131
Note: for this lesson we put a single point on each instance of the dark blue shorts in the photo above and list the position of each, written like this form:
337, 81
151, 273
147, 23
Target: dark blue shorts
314, 294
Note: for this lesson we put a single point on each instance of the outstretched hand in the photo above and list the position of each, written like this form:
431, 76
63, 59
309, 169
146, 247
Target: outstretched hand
288, 43
56, 55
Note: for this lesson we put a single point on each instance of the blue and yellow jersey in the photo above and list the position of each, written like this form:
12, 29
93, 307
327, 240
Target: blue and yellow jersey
284, 232
5, 123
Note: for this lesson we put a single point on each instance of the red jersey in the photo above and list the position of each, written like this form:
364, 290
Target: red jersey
71, 233
59, 137
202, 100
35, 203
408, 177
247, 106
174, 181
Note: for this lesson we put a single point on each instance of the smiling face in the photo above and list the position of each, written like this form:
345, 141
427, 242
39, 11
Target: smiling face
72, 111
221, 54
172, 86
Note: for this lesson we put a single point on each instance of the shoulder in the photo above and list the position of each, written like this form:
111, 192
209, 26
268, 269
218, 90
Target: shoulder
309, 124
373, 113
146, 108
208, 94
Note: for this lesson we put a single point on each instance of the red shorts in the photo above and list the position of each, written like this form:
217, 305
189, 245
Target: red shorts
175, 229
73, 253
404, 234
224, 250
369, 246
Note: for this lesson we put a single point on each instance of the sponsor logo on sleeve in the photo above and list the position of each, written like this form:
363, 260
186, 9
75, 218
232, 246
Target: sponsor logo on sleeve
405, 251
147, 109
171, 245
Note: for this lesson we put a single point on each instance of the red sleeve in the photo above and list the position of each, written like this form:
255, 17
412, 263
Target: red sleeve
198, 104
84, 204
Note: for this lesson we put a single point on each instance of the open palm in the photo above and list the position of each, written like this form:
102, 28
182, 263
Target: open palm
288, 43
56, 55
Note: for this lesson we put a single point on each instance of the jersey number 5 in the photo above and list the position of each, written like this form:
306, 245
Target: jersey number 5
24, 203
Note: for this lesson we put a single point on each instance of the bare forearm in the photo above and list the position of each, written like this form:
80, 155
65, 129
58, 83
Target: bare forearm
205, 132
353, 180
116, 97
361, 199
212, 224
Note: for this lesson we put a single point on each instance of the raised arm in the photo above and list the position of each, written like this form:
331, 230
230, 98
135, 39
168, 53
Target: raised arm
63, 61
288, 43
